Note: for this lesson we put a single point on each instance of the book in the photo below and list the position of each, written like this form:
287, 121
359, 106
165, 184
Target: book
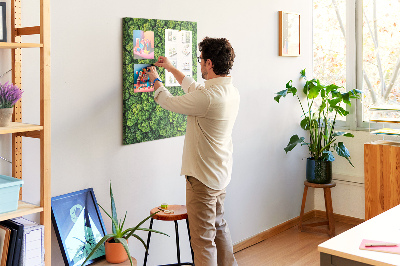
18, 241
386, 249
32, 250
11, 246
4, 243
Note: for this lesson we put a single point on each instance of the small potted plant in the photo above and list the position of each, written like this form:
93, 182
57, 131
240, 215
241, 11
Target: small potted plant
324, 104
116, 243
9, 95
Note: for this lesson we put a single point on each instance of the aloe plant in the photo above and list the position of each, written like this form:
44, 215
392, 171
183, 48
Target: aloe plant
119, 234
320, 124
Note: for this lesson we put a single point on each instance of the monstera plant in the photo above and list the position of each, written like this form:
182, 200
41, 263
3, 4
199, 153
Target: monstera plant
324, 103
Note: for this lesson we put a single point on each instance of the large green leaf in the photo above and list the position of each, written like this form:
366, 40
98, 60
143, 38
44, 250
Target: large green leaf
327, 156
294, 140
314, 92
113, 211
349, 135
346, 98
334, 102
305, 123
283, 93
126, 247
114, 222
280, 94
341, 111
331, 87
343, 151
355, 93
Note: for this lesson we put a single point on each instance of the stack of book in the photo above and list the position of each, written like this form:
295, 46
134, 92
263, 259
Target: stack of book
21, 243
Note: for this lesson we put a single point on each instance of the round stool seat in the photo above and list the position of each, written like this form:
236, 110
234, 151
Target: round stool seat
308, 184
180, 213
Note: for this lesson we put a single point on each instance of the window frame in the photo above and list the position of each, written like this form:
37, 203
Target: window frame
354, 69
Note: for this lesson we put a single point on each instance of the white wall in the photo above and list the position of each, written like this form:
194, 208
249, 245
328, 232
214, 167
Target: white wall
87, 150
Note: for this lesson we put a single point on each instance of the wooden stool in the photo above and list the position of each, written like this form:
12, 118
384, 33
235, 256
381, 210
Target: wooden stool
180, 213
328, 207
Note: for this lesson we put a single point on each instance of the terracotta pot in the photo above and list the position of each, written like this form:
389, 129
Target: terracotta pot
115, 252
5, 116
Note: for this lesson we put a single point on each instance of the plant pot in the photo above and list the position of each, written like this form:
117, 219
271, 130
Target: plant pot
115, 252
319, 172
6, 116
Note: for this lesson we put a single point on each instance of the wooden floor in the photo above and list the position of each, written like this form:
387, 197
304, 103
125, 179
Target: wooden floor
290, 247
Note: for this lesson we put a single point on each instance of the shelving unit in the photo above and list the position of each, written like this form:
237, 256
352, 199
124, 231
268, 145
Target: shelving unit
381, 160
42, 131
385, 131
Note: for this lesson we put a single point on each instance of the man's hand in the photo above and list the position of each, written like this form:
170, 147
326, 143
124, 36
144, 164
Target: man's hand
165, 63
152, 72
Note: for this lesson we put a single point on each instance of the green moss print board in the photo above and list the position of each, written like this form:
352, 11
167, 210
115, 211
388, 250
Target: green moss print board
144, 40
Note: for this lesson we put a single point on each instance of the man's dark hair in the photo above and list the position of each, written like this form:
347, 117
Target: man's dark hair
220, 52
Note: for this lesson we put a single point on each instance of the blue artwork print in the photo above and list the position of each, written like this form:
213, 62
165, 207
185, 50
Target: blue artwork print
141, 80
78, 226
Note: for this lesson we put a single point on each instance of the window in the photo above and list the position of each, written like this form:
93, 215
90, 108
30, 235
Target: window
363, 53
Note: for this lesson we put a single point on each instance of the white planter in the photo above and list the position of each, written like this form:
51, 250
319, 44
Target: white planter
5, 116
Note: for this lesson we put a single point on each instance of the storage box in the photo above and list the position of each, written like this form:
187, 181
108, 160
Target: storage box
9, 193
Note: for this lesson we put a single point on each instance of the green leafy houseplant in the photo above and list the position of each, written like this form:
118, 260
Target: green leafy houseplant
321, 122
119, 235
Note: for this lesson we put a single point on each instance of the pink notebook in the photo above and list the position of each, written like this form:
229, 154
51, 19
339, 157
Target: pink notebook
393, 249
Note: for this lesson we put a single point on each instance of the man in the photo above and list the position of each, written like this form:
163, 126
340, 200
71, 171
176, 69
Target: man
207, 154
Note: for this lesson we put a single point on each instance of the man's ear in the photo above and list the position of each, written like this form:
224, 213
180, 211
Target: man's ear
209, 63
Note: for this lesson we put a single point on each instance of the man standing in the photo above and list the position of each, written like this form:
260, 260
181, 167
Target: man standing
207, 154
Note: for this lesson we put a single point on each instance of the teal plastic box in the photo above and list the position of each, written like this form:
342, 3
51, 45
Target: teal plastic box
9, 193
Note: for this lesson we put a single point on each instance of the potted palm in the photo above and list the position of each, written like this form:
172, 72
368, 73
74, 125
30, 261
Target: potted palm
324, 105
116, 243
9, 95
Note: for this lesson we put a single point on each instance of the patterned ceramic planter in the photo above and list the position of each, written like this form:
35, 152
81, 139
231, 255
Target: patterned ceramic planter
319, 172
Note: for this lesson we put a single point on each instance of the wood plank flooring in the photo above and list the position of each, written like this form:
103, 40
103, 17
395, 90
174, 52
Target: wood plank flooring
290, 247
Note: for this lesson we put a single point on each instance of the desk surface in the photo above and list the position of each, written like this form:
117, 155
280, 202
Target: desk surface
383, 227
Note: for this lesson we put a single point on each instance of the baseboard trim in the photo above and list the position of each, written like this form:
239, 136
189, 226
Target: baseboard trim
271, 232
289, 224
340, 218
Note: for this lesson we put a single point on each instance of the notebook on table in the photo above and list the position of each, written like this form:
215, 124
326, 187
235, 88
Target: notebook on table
386, 249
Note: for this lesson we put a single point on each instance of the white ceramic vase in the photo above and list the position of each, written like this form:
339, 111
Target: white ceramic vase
6, 116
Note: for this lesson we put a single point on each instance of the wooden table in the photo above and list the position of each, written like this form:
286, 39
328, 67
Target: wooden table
344, 248
105, 263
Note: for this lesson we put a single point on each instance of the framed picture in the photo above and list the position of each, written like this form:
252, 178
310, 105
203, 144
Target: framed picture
289, 34
3, 25
78, 226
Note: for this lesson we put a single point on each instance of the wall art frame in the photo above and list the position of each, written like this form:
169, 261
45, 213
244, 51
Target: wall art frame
3, 22
289, 34
78, 225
